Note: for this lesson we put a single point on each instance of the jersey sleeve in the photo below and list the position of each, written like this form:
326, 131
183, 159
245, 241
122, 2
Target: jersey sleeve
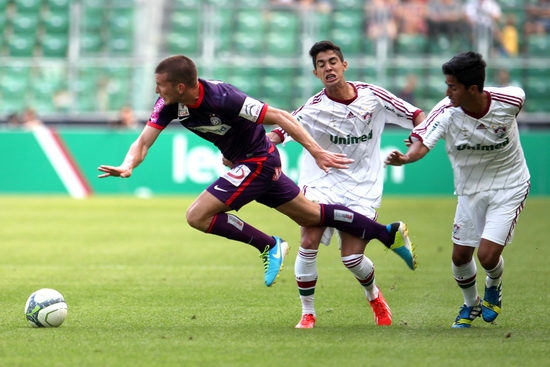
432, 129
162, 114
397, 110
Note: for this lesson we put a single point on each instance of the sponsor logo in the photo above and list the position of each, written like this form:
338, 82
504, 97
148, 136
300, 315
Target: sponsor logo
235, 222
489, 147
219, 188
237, 175
218, 130
348, 140
251, 109
183, 112
343, 216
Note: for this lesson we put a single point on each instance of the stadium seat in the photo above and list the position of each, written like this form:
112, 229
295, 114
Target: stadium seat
93, 19
350, 20
281, 44
188, 21
186, 4
182, 43
91, 43
250, 21
250, 3
21, 45
30, 6
121, 22
56, 22
55, 45
58, 5
538, 45
248, 43
354, 4
286, 22
120, 45
350, 42
411, 44
25, 23
274, 86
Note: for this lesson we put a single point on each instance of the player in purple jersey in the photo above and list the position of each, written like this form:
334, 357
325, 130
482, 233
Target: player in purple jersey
491, 177
232, 121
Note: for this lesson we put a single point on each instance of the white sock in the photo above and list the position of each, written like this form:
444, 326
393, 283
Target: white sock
465, 277
494, 275
363, 269
305, 270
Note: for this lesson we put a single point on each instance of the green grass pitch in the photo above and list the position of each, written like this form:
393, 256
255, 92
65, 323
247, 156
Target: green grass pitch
144, 289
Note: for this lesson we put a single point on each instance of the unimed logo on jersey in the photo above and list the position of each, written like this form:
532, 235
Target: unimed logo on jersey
347, 140
343, 216
484, 147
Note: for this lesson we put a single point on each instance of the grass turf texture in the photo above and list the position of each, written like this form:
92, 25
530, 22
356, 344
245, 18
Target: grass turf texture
144, 289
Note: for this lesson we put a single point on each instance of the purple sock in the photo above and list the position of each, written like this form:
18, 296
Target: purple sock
229, 226
346, 220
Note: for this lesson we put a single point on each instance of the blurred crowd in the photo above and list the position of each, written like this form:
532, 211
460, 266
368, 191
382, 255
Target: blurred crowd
487, 26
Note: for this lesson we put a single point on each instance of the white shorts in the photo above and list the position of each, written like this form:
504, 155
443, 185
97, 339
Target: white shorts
327, 196
491, 215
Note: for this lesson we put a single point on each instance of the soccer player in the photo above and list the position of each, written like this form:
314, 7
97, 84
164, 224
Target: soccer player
347, 118
491, 177
232, 121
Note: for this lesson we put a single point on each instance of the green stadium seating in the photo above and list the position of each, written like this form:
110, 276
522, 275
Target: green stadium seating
350, 20
58, 5
250, 21
351, 43
56, 22
538, 45
120, 45
91, 43
55, 45
281, 44
355, 4
21, 45
283, 21
411, 44
248, 43
31, 6
25, 22
182, 43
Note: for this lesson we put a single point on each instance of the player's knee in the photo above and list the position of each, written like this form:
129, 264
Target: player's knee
193, 219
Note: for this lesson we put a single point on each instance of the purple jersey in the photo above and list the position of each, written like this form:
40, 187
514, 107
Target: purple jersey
224, 116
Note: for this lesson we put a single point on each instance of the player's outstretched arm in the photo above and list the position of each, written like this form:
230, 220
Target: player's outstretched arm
136, 154
323, 158
416, 151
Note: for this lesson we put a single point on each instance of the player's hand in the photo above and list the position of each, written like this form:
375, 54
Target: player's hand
114, 171
327, 160
407, 142
395, 158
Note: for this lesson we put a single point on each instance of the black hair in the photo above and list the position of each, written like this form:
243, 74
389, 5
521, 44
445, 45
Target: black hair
323, 46
468, 68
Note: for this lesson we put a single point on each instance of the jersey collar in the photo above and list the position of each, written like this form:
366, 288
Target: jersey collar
201, 96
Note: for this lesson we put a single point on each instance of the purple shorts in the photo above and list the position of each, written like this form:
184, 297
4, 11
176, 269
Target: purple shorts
259, 179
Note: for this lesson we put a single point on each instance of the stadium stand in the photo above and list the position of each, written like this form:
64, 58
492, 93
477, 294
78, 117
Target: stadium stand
59, 54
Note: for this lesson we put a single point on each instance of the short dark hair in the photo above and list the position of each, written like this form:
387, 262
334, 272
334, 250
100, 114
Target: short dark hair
468, 68
323, 46
179, 69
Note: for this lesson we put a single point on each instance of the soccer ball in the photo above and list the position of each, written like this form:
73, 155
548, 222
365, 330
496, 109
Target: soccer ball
46, 308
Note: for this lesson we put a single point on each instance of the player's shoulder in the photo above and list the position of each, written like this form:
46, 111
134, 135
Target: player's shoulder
511, 95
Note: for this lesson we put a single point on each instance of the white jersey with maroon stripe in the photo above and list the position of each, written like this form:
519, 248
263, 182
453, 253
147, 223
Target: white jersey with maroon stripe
485, 150
352, 127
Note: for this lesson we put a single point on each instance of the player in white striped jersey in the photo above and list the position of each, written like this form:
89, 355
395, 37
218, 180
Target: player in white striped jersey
346, 117
491, 177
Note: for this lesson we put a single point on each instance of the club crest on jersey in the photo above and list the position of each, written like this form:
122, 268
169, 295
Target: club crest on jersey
215, 120
183, 112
